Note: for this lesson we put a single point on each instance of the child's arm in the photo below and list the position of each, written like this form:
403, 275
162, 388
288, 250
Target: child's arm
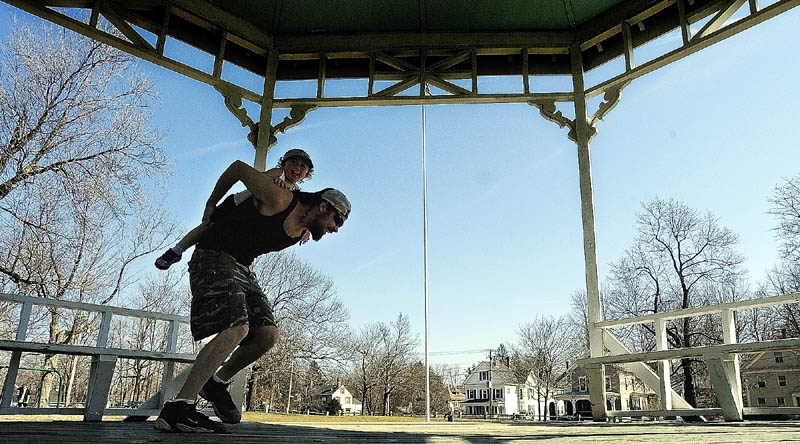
274, 198
275, 174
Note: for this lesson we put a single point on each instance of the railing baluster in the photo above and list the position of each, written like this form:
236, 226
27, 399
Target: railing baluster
169, 366
665, 384
13, 365
105, 326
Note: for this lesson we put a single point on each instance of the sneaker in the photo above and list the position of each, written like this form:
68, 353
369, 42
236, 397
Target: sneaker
167, 259
217, 394
180, 416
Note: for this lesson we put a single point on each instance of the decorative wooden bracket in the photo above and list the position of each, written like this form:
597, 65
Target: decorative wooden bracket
296, 115
233, 102
548, 111
610, 100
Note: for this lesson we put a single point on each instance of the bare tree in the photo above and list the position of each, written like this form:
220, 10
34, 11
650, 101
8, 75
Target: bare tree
545, 345
784, 277
364, 351
452, 374
679, 259
305, 305
72, 107
397, 343
786, 207
78, 153
312, 321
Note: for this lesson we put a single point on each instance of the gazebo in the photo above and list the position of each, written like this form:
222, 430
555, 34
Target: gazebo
434, 52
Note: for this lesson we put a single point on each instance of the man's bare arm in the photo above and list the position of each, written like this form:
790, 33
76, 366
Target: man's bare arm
272, 197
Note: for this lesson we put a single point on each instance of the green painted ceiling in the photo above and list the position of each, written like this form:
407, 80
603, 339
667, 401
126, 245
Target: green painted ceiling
348, 16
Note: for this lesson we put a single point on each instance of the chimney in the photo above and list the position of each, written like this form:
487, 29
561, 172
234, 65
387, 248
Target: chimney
338, 382
567, 365
783, 333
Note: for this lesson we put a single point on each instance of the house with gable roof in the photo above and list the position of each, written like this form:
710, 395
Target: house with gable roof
324, 395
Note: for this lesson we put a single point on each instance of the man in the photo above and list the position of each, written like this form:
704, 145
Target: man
226, 299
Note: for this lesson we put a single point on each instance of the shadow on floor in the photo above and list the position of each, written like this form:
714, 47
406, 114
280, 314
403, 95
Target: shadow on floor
63, 432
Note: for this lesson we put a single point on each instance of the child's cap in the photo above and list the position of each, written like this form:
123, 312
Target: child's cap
297, 152
338, 200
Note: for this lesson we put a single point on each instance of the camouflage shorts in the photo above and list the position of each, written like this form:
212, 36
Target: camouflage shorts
224, 294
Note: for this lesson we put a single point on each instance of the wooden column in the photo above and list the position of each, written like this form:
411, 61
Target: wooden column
265, 119
596, 373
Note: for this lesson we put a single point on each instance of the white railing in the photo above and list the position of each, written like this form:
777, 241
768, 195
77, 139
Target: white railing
104, 358
722, 359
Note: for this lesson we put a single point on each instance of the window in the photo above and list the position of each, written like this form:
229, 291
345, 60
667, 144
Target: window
498, 393
797, 401
483, 376
347, 400
484, 394
781, 402
582, 383
762, 402
782, 380
778, 356
761, 381
470, 394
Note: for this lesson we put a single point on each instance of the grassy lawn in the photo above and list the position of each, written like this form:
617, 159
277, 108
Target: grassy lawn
293, 418
247, 416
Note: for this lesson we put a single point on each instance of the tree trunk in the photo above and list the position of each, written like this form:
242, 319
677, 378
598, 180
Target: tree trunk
688, 382
50, 361
71, 381
386, 403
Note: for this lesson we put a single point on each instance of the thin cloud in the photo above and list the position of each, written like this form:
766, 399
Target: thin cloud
210, 149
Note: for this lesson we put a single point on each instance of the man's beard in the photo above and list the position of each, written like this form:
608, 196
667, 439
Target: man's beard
317, 229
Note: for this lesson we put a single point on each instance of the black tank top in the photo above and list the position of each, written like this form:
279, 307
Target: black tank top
245, 234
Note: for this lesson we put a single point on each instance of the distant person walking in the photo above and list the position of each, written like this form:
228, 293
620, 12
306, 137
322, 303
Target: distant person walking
23, 395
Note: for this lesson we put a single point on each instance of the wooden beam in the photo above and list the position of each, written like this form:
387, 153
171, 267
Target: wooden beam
384, 100
124, 45
323, 60
704, 310
83, 350
92, 307
219, 57
677, 353
718, 20
545, 41
764, 14
112, 16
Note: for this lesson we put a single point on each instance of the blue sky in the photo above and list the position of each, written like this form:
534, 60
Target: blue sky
714, 130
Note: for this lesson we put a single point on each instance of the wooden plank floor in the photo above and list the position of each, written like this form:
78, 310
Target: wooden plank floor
62, 432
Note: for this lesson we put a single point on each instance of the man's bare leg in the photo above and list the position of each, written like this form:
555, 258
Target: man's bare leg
209, 359
262, 339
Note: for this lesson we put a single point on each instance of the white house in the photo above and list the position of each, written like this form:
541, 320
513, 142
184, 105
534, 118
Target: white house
494, 390
350, 405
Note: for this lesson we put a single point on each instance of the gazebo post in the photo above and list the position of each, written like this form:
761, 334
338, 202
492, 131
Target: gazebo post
262, 143
595, 373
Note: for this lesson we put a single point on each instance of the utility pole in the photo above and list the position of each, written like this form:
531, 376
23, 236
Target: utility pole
491, 394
